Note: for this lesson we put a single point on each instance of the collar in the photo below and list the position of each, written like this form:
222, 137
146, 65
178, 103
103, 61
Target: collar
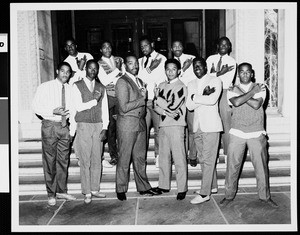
131, 76
86, 80
107, 59
173, 81
246, 87
223, 56
153, 54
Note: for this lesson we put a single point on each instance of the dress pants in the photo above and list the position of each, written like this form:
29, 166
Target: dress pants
259, 157
56, 143
190, 142
112, 128
89, 148
132, 147
152, 119
207, 150
225, 114
171, 142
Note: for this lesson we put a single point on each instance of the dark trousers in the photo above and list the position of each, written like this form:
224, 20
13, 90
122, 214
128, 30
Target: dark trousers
132, 146
112, 128
56, 142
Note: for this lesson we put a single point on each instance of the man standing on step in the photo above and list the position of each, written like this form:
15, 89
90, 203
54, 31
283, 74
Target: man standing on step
203, 97
52, 102
247, 130
89, 118
131, 131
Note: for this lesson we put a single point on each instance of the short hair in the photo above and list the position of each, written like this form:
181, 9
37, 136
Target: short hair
92, 61
70, 39
226, 39
105, 41
173, 61
177, 41
146, 37
201, 60
63, 63
245, 64
129, 55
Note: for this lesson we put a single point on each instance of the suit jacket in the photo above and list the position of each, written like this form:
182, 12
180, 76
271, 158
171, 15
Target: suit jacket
206, 115
131, 105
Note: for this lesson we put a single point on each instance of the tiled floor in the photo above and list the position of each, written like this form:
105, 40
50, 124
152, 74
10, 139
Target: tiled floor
157, 211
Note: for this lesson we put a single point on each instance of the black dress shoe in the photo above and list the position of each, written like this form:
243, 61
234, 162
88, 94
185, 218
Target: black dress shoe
193, 162
121, 196
181, 196
158, 190
147, 193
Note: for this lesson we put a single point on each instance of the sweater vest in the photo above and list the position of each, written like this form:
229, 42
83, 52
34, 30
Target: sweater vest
247, 119
94, 114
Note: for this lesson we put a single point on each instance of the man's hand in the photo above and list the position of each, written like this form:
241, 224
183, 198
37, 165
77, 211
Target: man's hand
97, 95
119, 64
156, 91
187, 64
154, 64
258, 88
60, 111
172, 114
143, 92
103, 135
207, 90
225, 68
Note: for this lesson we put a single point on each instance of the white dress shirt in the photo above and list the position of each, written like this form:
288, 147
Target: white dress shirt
188, 75
155, 77
239, 133
48, 97
78, 105
79, 74
226, 78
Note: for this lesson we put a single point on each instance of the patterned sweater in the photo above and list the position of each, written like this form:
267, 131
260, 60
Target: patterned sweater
172, 96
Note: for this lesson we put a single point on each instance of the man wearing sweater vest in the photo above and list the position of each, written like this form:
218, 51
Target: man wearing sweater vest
247, 130
111, 68
90, 120
170, 104
203, 97
131, 131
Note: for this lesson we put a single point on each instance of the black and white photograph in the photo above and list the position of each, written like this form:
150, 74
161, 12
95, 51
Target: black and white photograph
153, 116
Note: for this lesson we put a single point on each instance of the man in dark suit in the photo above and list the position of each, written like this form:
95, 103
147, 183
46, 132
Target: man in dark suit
131, 131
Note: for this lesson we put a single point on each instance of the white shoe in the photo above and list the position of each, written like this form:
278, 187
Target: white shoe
213, 191
66, 196
98, 194
106, 164
51, 201
87, 198
157, 161
198, 199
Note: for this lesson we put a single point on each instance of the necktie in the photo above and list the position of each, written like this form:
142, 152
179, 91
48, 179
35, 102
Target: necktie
137, 82
179, 60
91, 87
63, 103
145, 64
219, 64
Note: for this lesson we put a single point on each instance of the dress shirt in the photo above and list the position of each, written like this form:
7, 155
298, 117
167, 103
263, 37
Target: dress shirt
188, 75
226, 78
79, 74
78, 105
114, 75
48, 97
155, 77
239, 133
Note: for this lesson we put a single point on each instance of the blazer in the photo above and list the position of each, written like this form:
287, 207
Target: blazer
206, 116
131, 105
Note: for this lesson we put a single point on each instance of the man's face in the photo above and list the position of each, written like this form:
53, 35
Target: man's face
132, 65
106, 50
245, 74
146, 47
177, 48
63, 74
223, 47
92, 70
71, 48
171, 71
199, 69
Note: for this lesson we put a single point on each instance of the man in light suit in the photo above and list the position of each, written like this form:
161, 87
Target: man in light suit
203, 97
131, 131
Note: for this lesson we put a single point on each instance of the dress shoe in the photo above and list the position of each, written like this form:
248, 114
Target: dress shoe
181, 196
148, 193
113, 161
224, 202
87, 198
66, 196
158, 190
213, 191
270, 202
98, 194
121, 196
51, 201
193, 162
106, 164
200, 199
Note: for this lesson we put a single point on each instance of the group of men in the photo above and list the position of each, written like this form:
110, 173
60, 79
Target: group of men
187, 100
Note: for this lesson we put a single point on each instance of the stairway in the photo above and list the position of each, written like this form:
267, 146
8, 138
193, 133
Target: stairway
31, 178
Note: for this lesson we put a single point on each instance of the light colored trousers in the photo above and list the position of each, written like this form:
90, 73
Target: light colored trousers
171, 142
207, 149
259, 157
88, 148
